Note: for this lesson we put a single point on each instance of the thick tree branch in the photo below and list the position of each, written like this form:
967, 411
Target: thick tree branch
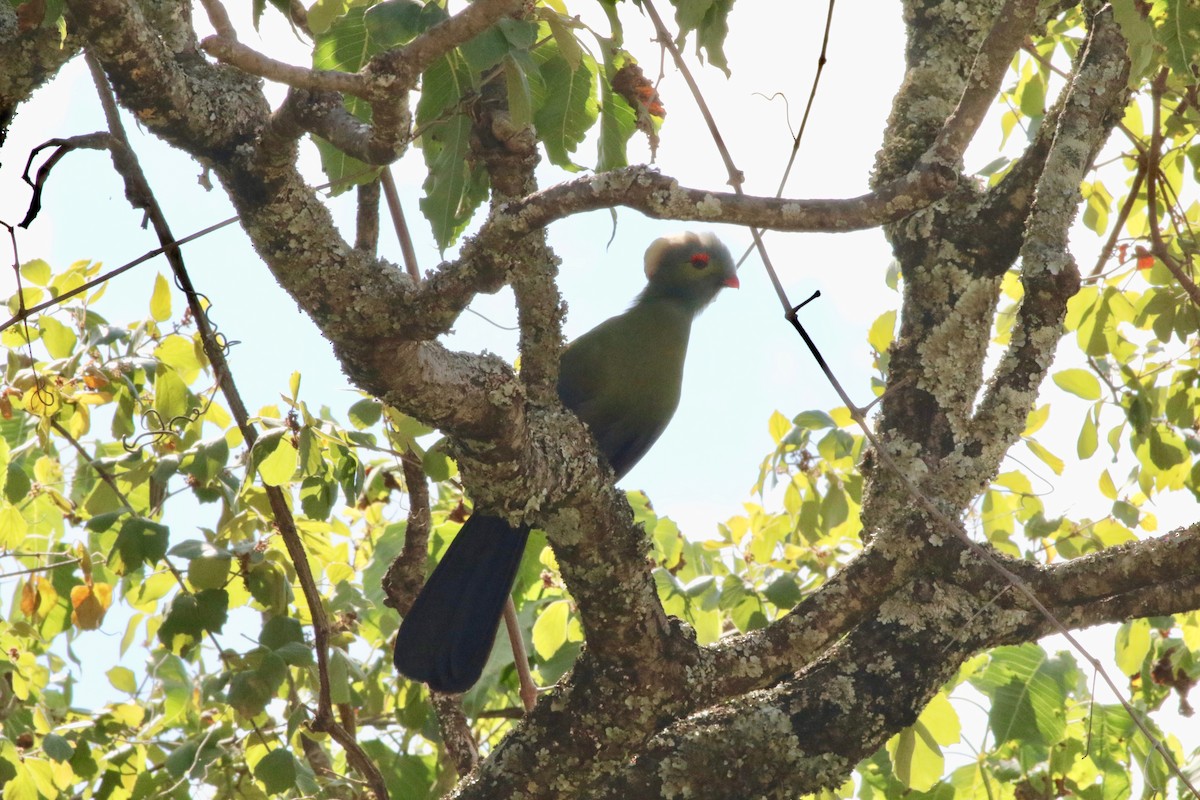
644, 189
27, 60
738, 664
1124, 569
247, 59
1049, 274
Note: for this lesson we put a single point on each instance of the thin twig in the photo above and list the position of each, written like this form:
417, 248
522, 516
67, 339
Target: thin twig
812, 94
1119, 223
65, 563
400, 224
520, 657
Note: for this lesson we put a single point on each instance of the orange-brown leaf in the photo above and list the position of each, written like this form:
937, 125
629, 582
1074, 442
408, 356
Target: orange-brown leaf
90, 604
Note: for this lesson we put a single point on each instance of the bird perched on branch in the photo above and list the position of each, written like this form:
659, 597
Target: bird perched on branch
622, 378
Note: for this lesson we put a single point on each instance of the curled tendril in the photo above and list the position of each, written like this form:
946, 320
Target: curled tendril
158, 431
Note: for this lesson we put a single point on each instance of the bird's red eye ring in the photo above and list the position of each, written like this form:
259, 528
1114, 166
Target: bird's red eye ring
700, 260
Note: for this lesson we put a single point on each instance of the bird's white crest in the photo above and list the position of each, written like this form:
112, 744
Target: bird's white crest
659, 247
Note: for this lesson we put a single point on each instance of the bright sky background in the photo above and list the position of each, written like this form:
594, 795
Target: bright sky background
745, 361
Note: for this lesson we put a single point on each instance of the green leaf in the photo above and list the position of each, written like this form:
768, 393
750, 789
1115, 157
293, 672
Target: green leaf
916, 758
486, 50
277, 770
550, 629
520, 102
365, 413
568, 45
1079, 382
13, 527
1138, 31
160, 299
342, 44
618, 122
57, 748
206, 459
779, 427
1178, 34
742, 604
279, 631
454, 188
209, 573
1167, 448
395, 22
191, 615
251, 690
139, 542
784, 591
710, 19
813, 420
339, 677
1028, 692
570, 108
317, 496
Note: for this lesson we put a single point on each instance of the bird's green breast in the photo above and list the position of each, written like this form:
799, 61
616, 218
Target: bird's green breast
623, 377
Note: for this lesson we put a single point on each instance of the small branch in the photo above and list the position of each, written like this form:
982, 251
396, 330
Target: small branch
231, 51
520, 657
219, 19
406, 574
398, 70
366, 237
45, 567
88, 141
456, 733
812, 95
400, 225
644, 189
1106, 251
1157, 244
99, 470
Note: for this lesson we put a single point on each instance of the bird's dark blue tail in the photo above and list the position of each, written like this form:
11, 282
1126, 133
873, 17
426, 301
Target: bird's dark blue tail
447, 636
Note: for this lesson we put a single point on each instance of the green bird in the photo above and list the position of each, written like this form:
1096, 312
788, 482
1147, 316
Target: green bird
622, 378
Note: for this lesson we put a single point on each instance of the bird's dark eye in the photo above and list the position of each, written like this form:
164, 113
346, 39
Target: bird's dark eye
700, 260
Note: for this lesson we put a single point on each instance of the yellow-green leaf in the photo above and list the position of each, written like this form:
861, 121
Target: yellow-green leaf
160, 300
1089, 438
36, 271
1036, 419
779, 425
170, 394
277, 463
122, 679
1132, 644
1049, 459
58, 338
550, 630
1079, 382
883, 331
12, 527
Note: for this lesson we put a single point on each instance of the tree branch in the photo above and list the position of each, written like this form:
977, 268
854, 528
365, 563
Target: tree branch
644, 189
1049, 274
